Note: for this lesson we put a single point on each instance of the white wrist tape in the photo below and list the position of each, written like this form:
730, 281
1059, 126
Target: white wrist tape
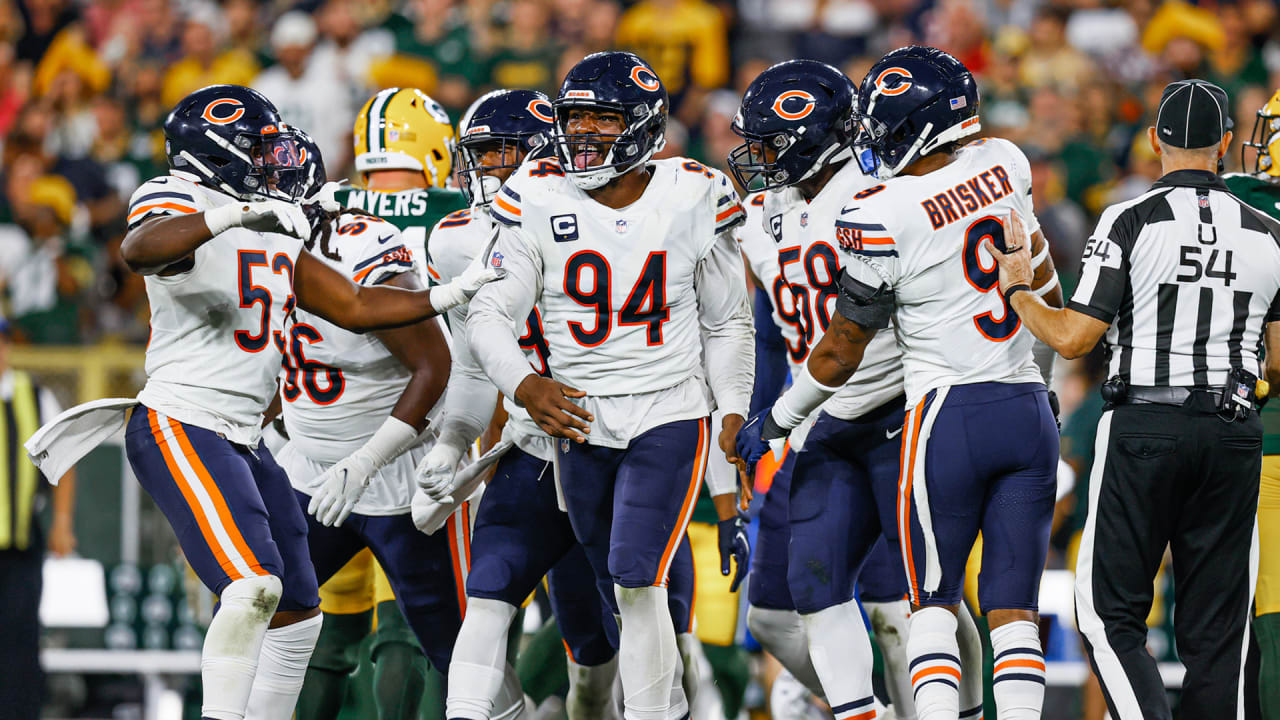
446, 297
803, 397
224, 217
391, 440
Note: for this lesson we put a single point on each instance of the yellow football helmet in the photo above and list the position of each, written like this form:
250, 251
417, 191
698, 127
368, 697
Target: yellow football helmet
1265, 138
404, 129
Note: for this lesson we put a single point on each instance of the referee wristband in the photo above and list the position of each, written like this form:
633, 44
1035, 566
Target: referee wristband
1015, 288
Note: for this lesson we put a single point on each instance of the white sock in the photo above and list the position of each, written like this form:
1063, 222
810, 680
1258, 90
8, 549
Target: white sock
688, 679
841, 653
511, 702
647, 654
233, 643
935, 663
1019, 671
282, 666
971, 665
890, 621
591, 691
781, 632
479, 659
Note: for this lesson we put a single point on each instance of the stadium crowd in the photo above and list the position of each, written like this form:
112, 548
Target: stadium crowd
85, 87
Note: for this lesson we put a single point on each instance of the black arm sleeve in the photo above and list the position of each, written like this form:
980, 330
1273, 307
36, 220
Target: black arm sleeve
869, 307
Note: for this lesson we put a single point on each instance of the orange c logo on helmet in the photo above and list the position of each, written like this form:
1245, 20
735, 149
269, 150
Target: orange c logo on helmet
903, 83
808, 100
541, 109
235, 114
645, 78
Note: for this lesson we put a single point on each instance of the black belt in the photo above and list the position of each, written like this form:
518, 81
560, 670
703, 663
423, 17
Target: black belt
1169, 395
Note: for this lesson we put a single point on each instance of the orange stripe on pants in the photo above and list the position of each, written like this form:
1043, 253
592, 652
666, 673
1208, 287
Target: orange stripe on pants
457, 554
908, 470
192, 503
219, 502
695, 482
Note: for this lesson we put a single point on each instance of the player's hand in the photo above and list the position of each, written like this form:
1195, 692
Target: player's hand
1015, 259
759, 436
438, 470
274, 216
341, 487
420, 509
728, 440
549, 404
734, 544
484, 269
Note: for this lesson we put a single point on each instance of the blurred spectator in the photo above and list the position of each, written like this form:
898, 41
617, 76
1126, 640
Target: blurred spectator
1050, 61
685, 41
346, 52
957, 27
526, 56
308, 95
42, 20
205, 62
435, 33
49, 277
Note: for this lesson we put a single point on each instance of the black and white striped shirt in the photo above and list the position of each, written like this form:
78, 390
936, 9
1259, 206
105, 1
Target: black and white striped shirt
1187, 275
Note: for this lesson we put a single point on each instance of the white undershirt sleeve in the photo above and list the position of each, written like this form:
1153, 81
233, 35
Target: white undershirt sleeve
727, 329
500, 307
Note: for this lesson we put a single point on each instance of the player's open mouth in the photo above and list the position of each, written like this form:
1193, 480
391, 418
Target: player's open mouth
586, 156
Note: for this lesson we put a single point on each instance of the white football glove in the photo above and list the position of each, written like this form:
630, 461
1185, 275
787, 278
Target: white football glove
480, 272
326, 197
437, 472
274, 216
341, 487
422, 509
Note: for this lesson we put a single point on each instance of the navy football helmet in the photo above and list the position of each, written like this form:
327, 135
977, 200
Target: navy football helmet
516, 122
313, 176
801, 113
233, 140
913, 101
617, 82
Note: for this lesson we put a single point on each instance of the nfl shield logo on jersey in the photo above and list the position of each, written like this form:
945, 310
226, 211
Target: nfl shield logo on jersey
564, 446
620, 226
496, 260
804, 219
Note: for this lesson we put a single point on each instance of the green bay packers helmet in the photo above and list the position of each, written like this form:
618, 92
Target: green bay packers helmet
1265, 138
404, 129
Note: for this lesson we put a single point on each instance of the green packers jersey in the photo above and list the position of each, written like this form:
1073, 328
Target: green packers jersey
414, 211
1264, 196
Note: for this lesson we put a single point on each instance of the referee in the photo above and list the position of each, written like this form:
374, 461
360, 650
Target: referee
1182, 281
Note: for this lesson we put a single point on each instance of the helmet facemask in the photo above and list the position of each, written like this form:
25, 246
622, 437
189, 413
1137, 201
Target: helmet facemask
271, 164
480, 181
1265, 139
619, 154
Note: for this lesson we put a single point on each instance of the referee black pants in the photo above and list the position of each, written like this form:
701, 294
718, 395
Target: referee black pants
1178, 477
21, 679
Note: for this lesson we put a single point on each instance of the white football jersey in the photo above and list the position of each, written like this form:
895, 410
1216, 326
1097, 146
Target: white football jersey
921, 237
216, 328
455, 242
805, 291
337, 386
625, 294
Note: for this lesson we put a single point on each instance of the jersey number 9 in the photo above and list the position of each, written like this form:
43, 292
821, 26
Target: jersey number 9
985, 278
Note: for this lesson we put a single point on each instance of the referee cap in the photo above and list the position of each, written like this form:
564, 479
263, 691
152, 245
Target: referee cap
1192, 114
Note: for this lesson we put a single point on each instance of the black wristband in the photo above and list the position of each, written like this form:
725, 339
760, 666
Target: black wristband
1015, 288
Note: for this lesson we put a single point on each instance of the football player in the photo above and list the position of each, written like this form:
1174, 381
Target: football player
219, 240
403, 146
518, 537
521, 534
911, 244
1260, 188
835, 494
354, 407
635, 271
